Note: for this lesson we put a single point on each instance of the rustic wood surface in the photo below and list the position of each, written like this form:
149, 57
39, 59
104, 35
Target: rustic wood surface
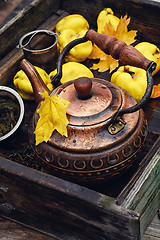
144, 13
10, 230
26, 16
6, 8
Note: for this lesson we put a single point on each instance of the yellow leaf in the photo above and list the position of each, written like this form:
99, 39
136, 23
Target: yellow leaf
106, 64
121, 33
156, 91
52, 116
106, 61
122, 27
109, 29
97, 53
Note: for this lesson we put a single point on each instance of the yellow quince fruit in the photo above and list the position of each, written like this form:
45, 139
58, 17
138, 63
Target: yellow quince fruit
73, 70
150, 51
23, 84
78, 53
132, 79
106, 16
75, 22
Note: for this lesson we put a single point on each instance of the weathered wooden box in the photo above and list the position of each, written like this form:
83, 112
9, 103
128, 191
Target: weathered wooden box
121, 209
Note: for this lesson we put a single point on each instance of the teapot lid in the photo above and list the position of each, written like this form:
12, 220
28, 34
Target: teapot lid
93, 101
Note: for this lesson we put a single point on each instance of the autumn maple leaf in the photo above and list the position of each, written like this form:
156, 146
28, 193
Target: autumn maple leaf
122, 32
52, 116
155, 91
107, 62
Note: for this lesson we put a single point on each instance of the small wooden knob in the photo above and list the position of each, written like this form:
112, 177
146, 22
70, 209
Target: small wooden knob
83, 87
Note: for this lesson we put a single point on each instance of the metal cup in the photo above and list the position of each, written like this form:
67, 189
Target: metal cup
40, 48
9, 93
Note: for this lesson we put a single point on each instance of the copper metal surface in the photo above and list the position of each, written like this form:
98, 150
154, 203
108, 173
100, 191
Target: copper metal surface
105, 101
90, 153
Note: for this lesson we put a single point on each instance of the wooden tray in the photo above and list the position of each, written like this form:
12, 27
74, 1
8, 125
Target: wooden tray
121, 209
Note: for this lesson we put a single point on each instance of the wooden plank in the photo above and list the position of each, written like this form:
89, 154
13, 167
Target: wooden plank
152, 112
10, 230
149, 175
139, 171
153, 231
26, 20
6, 8
144, 197
148, 197
51, 204
149, 213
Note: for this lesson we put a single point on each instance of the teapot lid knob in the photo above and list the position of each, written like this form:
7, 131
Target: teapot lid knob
83, 86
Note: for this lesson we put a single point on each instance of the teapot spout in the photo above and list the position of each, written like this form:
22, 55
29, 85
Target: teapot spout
35, 79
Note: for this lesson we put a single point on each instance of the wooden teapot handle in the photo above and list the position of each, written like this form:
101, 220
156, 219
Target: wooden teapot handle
128, 55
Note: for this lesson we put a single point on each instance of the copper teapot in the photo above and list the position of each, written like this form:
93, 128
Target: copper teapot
107, 128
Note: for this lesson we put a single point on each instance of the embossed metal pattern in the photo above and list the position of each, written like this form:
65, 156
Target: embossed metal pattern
98, 166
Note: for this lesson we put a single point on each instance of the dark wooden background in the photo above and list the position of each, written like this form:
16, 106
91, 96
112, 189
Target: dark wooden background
10, 230
10, 8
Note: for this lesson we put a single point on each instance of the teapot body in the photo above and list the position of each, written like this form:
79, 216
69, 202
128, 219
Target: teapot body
107, 128
93, 152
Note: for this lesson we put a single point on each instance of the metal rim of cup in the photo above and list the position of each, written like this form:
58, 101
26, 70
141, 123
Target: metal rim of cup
21, 114
51, 33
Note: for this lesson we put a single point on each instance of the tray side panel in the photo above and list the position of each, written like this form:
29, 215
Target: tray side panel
149, 213
144, 195
143, 164
60, 208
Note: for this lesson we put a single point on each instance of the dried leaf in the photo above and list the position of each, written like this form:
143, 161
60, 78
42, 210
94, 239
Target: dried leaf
155, 91
104, 65
109, 29
121, 33
97, 53
106, 61
52, 116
